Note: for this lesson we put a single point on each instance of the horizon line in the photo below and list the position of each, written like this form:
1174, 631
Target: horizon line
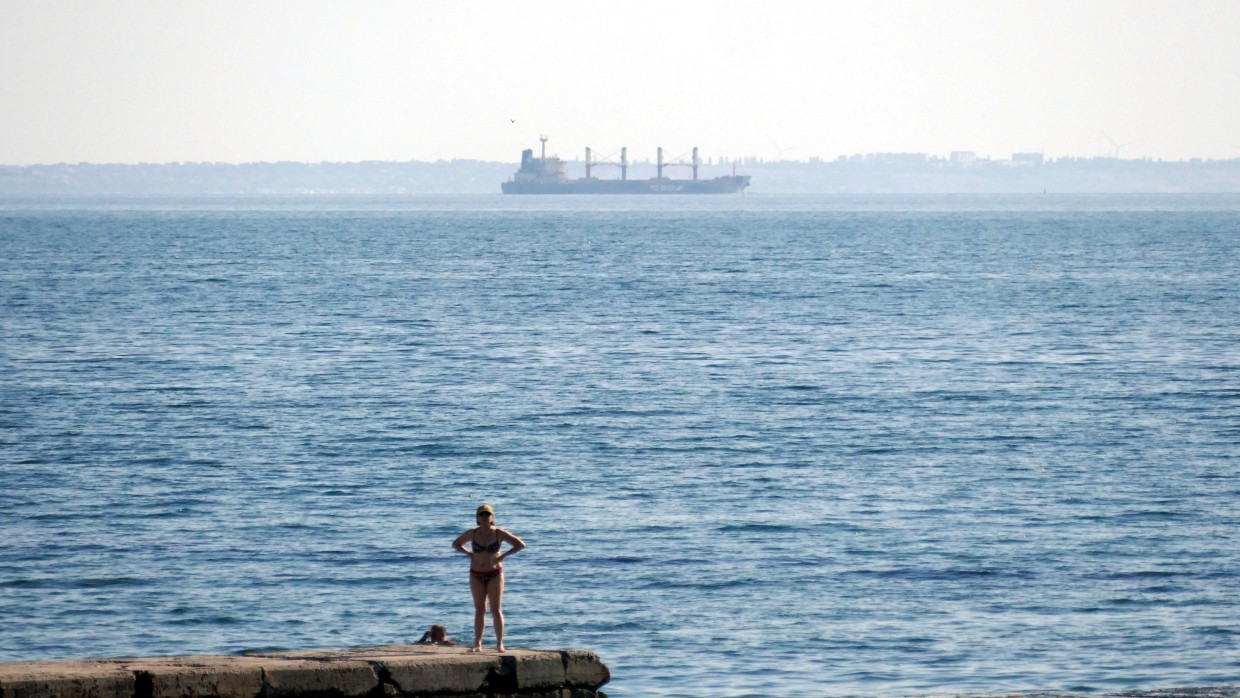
747, 159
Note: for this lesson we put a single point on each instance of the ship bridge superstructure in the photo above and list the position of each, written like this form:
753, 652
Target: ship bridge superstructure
541, 168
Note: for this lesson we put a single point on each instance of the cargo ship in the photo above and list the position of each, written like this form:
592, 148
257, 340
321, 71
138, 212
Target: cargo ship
545, 175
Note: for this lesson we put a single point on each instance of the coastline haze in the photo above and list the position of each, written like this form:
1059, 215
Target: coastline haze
209, 82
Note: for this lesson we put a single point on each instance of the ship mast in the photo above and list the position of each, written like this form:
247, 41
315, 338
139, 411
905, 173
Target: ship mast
544, 146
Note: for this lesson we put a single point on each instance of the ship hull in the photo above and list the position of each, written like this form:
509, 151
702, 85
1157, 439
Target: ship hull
718, 185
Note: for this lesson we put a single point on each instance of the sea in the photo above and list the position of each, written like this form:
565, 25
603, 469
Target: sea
757, 445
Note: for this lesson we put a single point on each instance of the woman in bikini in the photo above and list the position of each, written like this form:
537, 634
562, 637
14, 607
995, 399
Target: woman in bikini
486, 573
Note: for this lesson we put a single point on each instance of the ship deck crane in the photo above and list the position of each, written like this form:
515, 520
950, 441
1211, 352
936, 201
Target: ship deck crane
591, 163
623, 164
680, 163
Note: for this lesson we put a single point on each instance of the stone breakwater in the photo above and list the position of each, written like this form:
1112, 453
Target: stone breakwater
399, 670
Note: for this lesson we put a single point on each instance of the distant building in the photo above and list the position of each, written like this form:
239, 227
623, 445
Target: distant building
1027, 158
962, 157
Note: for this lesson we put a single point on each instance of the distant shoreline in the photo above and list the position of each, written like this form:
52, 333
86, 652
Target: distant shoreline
881, 173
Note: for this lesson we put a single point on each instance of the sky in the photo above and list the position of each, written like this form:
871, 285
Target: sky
107, 81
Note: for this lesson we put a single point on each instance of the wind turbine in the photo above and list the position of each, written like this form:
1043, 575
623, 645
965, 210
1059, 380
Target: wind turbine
779, 152
1115, 147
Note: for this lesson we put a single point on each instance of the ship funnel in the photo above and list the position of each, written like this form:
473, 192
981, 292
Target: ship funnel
624, 163
695, 163
660, 163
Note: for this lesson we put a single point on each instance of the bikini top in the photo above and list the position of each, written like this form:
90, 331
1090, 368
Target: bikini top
492, 548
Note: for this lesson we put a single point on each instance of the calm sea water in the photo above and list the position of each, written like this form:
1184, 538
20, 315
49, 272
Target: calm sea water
756, 445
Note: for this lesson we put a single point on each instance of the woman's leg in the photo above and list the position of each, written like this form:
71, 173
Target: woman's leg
479, 592
495, 592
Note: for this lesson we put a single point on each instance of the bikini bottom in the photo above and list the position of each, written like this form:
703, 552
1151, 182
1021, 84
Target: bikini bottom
486, 577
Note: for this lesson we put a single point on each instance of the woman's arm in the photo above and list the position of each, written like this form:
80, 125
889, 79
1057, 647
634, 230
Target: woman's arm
459, 543
517, 544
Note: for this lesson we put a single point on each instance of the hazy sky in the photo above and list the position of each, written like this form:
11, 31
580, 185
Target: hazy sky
232, 81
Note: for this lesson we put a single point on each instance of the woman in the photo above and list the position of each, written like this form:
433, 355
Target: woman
486, 573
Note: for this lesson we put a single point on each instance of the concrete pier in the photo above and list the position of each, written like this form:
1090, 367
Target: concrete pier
397, 670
